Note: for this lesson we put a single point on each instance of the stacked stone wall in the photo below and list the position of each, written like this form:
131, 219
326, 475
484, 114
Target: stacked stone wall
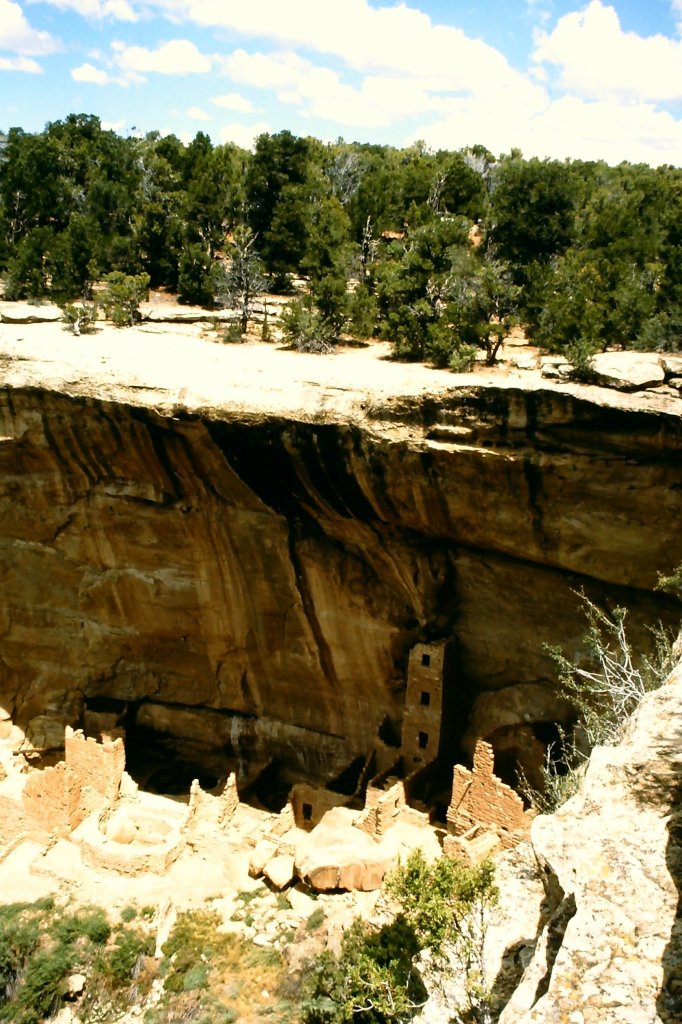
480, 798
98, 766
47, 800
382, 807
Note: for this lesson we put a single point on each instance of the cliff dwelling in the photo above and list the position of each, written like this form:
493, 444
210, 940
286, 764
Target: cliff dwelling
90, 801
332, 592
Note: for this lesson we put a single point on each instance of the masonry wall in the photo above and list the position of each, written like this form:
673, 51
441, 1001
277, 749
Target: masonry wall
98, 766
382, 808
310, 804
423, 715
47, 800
480, 798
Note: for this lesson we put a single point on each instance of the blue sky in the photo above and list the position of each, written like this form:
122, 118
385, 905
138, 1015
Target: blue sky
552, 77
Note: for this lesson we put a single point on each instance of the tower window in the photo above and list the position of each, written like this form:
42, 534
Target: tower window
425, 699
423, 740
426, 660
307, 812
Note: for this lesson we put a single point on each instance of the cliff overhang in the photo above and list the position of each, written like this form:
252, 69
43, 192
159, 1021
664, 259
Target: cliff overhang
232, 551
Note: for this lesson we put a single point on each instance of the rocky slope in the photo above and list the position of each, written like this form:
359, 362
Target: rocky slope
611, 952
236, 547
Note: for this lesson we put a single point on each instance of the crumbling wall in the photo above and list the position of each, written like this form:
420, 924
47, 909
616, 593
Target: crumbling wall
311, 803
12, 825
382, 807
98, 766
480, 798
47, 801
206, 809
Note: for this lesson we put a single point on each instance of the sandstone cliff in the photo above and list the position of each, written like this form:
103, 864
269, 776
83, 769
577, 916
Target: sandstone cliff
237, 551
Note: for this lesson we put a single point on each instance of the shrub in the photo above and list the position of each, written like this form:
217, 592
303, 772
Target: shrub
79, 319
315, 919
462, 358
19, 938
122, 297
364, 311
90, 923
671, 584
305, 329
604, 695
444, 907
580, 354
41, 992
120, 962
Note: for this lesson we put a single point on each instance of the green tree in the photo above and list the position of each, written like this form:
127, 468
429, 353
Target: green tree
532, 210
412, 283
482, 304
327, 261
445, 908
196, 275
277, 192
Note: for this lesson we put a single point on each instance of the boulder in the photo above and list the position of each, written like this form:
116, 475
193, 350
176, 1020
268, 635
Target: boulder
300, 902
628, 371
280, 870
120, 828
672, 364
262, 852
337, 856
74, 986
26, 313
166, 916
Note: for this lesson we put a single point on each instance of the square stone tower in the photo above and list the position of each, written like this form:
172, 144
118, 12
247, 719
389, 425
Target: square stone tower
424, 699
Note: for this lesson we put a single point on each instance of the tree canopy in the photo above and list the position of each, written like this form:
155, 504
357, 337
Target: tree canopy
440, 252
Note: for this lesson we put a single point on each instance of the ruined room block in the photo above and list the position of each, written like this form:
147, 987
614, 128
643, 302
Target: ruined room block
480, 798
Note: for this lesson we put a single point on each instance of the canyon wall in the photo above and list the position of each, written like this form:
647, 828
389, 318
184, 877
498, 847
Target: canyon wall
252, 584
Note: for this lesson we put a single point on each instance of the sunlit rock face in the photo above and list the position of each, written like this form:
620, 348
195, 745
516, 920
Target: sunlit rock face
611, 860
250, 589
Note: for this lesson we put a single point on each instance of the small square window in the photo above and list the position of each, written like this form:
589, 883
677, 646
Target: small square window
425, 699
307, 812
426, 660
423, 740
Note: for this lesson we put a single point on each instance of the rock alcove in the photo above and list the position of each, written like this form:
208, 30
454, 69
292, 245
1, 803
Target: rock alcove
253, 590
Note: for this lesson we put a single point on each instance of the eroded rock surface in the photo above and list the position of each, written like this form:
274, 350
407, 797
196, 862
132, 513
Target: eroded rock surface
613, 951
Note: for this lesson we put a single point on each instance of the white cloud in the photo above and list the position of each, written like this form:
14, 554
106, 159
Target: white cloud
197, 114
568, 127
177, 57
381, 99
597, 59
17, 35
113, 126
398, 39
243, 135
20, 64
89, 73
119, 10
233, 101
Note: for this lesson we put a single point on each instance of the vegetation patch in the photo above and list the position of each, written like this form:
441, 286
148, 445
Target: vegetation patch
605, 691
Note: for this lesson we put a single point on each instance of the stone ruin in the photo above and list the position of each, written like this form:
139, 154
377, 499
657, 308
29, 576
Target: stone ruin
484, 812
327, 839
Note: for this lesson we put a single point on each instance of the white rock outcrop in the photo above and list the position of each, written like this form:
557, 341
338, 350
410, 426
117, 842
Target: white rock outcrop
612, 951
